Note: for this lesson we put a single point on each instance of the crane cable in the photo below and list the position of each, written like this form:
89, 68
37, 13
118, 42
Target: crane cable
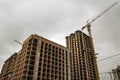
108, 57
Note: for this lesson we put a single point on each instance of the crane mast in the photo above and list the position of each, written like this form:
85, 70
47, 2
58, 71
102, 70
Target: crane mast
88, 25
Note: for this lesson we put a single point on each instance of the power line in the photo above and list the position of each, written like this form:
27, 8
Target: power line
106, 72
108, 57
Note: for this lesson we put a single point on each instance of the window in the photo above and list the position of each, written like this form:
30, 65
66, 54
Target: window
31, 67
32, 57
30, 73
29, 78
32, 62
33, 53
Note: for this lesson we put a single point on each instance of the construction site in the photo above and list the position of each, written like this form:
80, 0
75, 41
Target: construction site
43, 59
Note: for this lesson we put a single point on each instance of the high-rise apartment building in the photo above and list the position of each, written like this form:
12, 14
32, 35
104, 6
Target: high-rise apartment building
8, 67
83, 59
39, 59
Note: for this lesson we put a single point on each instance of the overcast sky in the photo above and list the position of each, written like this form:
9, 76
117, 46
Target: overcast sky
55, 19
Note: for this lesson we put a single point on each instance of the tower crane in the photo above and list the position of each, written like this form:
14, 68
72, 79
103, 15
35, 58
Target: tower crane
88, 25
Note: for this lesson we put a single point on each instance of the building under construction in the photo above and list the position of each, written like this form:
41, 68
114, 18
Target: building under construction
8, 67
42, 59
83, 59
39, 59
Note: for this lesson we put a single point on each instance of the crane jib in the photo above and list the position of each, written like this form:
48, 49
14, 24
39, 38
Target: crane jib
88, 23
101, 13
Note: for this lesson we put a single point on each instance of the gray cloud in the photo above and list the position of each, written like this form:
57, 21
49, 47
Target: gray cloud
55, 20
